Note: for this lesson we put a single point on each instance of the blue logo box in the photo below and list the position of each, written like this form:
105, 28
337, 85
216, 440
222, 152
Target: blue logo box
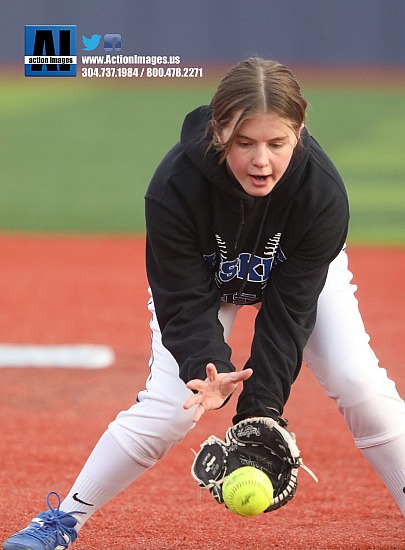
50, 50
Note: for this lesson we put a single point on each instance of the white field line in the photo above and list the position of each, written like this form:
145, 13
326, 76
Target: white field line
84, 356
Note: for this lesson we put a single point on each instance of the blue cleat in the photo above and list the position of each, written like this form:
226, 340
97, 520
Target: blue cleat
50, 530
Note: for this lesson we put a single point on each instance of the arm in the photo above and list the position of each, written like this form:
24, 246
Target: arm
288, 314
186, 298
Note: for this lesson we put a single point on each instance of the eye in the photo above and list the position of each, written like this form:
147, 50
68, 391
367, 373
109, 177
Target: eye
275, 145
244, 144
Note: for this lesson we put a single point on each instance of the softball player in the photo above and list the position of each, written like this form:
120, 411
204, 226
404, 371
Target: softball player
246, 210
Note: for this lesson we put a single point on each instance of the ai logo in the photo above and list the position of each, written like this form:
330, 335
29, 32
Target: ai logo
50, 50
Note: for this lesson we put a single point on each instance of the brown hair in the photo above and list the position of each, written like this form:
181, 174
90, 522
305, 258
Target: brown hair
255, 86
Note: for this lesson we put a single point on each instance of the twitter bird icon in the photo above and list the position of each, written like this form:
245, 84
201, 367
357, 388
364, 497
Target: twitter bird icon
91, 43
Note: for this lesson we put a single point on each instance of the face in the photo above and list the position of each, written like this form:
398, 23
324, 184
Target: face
261, 151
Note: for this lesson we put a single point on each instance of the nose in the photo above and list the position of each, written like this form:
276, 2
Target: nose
261, 157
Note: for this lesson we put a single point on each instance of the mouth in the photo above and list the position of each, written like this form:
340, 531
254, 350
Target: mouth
259, 180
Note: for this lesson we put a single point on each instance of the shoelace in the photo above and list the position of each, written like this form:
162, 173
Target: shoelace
50, 522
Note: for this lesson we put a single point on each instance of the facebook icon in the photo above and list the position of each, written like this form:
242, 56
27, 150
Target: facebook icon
112, 42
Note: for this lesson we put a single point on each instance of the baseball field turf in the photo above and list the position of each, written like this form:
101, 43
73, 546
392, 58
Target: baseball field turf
77, 156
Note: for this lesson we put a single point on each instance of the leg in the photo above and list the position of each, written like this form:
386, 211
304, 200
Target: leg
339, 354
148, 429
143, 434
157, 421
134, 442
138, 437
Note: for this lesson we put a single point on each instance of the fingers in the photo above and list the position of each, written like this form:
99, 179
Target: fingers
211, 371
197, 384
244, 374
199, 411
212, 392
201, 385
191, 402
236, 377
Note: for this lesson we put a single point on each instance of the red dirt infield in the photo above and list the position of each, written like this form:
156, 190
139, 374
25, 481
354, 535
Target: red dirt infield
93, 289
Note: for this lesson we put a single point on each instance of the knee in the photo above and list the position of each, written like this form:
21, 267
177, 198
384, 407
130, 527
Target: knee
370, 404
358, 379
376, 421
148, 433
349, 386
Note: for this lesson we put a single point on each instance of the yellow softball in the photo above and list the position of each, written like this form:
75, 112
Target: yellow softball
247, 491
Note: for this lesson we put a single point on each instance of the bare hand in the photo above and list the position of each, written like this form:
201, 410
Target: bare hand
214, 390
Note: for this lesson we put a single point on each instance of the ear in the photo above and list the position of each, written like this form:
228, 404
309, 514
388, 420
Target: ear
298, 134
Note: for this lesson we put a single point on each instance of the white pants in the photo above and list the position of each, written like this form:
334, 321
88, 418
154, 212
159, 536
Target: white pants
337, 352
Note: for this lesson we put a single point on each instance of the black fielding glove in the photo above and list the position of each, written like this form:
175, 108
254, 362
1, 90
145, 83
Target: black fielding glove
260, 442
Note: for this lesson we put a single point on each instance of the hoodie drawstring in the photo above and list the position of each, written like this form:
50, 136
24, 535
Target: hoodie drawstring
259, 233
241, 223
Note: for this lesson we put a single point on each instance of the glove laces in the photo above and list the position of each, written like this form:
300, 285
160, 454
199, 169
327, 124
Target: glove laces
300, 462
308, 470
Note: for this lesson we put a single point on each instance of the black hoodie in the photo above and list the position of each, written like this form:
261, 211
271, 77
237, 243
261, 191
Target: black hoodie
209, 241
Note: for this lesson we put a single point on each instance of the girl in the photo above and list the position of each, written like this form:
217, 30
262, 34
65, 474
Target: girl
246, 209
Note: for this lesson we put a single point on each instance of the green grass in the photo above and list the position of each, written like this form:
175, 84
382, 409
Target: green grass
364, 133
79, 157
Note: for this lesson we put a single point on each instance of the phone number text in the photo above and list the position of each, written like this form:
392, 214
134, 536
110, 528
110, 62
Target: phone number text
140, 72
